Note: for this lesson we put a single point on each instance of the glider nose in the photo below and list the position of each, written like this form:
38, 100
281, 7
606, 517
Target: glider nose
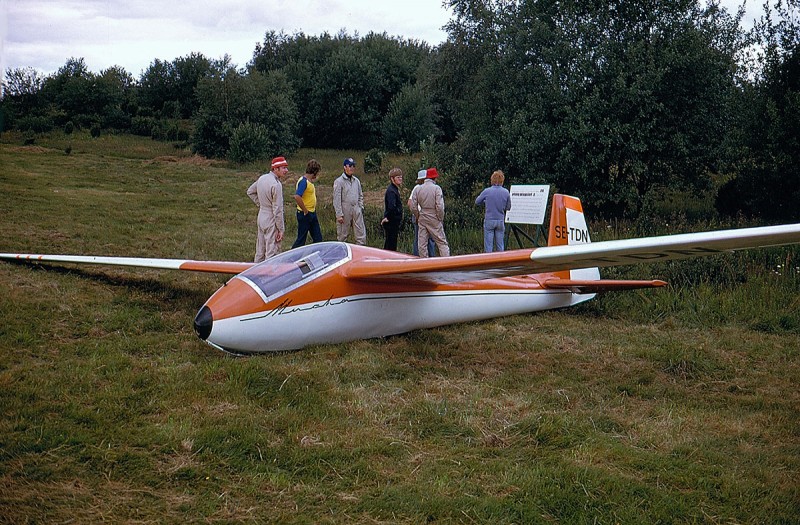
203, 322
219, 321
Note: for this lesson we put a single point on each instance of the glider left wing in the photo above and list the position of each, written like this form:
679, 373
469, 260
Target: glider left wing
165, 264
459, 268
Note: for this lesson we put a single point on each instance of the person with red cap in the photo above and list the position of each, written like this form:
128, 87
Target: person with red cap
267, 194
421, 176
427, 203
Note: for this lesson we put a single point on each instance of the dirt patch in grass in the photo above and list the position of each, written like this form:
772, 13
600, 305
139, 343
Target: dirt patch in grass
29, 149
194, 160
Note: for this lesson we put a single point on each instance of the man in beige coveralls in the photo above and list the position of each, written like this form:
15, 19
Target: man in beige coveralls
267, 193
427, 204
348, 204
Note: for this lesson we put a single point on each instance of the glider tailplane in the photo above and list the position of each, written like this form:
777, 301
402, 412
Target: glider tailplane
568, 227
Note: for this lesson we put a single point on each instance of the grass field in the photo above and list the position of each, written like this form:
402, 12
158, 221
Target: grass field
669, 406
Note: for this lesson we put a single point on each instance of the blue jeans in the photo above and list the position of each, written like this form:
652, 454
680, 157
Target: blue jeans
493, 232
305, 224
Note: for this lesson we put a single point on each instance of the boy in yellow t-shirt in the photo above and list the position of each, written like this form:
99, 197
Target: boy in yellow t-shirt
306, 198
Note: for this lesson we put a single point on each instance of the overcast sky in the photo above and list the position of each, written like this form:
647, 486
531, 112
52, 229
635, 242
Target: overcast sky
132, 33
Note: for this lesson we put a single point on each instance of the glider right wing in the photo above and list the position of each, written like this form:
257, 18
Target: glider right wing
573, 256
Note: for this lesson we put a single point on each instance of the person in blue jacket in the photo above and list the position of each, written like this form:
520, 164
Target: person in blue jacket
497, 201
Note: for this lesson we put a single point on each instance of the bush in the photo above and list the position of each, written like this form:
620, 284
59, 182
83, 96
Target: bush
409, 120
115, 118
95, 130
35, 124
373, 160
69, 127
249, 142
143, 126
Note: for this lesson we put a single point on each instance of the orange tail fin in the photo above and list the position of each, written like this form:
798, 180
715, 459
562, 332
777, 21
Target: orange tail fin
568, 227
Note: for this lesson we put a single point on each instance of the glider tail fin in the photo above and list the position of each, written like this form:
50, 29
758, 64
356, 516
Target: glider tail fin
568, 227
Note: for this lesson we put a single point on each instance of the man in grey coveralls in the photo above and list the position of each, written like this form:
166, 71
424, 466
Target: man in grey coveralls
348, 204
427, 204
267, 194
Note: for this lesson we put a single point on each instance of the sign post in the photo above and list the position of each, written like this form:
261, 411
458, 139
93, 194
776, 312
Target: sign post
528, 206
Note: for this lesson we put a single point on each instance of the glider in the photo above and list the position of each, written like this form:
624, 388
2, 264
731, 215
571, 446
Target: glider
333, 292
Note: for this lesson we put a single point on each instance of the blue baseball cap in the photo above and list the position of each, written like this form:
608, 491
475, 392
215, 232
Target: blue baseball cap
349, 162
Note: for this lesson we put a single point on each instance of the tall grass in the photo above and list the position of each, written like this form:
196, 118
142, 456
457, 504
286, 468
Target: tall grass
664, 406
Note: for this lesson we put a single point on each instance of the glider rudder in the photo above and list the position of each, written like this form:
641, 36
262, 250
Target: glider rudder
568, 227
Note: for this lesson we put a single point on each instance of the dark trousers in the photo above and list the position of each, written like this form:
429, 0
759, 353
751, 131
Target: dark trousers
305, 224
391, 229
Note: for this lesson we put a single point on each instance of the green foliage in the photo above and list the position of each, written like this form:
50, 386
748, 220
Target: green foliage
607, 101
35, 124
768, 179
142, 126
409, 120
95, 130
249, 142
343, 85
228, 99
354, 105
373, 160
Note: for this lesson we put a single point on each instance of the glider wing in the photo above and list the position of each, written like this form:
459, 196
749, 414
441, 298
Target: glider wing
165, 264
440, 270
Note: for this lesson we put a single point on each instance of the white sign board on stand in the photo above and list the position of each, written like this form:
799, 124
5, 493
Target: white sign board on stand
528, 204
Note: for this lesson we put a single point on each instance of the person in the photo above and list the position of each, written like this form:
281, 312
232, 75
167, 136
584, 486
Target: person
305, 196
267, 194
348, 204
392, 209
429, 205
496, 201
421, 176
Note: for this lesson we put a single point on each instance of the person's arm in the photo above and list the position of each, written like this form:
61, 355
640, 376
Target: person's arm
277, 210
252, 192
298, 195
481, 198
413, 205
337, 201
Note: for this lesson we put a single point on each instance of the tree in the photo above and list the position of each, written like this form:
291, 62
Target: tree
23, 81
114, 96
343, 85
768, 180
188, 71
228, 99
157, 86
346, 106
21, 95
605, 99
409, 119
71, 91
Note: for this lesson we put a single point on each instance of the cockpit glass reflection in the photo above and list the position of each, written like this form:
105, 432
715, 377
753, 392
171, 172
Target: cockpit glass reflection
287, 269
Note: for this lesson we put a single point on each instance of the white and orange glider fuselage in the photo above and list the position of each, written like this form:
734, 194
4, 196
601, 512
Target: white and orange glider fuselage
332, 308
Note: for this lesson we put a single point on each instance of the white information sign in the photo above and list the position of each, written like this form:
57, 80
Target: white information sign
528, 204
